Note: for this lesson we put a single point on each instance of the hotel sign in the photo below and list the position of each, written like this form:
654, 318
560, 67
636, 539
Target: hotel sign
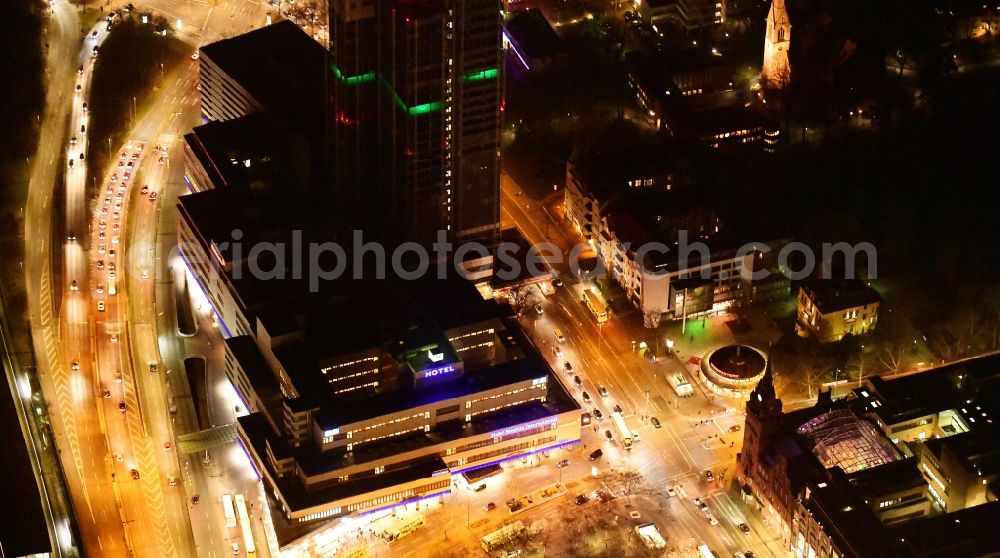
448, 370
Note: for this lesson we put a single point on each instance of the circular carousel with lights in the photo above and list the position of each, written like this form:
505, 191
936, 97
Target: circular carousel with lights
733, 370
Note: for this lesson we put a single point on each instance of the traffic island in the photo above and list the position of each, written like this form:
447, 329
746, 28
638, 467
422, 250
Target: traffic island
536, 498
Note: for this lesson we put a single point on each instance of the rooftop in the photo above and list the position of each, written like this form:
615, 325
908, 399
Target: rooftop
282, 67
834, 296
534, 36
978, 451
249, 150
839, 438
952, 386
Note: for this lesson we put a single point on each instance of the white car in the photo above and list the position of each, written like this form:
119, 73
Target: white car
101, 249
100, 306
114, 337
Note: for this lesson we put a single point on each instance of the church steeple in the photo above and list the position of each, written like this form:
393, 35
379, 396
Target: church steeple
763, 400
777, 72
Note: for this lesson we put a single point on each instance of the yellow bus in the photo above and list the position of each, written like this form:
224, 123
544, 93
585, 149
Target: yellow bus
597, 307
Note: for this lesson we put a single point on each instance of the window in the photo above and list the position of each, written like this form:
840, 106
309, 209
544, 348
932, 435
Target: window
781, 34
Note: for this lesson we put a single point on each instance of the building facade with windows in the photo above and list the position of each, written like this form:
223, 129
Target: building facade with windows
829, 310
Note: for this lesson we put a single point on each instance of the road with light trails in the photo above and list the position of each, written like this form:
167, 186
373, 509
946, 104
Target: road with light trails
114, 512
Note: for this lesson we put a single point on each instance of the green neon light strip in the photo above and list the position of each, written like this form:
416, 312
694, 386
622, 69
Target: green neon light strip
481, 75
411, 111
425, 108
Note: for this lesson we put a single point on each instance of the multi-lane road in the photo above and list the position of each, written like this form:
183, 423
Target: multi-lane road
94, 348
695, 433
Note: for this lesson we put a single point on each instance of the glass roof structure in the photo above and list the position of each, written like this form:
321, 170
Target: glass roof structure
839, 438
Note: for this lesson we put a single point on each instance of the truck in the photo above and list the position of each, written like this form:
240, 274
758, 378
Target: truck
681, 386
650, 536
623, 430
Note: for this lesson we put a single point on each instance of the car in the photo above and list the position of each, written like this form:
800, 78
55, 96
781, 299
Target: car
79, 70
236, 548
121, 406
172, 481
556, 351
111, 252
94, 34
618, 408
709, 476
568, 366
671, 491
115, 227
71, 163
144, 274
557, 282
577, 381
598, 414
136, 154
162, 160
126, 175
101, 235
111, 275
608, 435
74, 286
744, 528
100, 264
581, 499
119, 457
102, 248
480, 488
559, 335
167, 446
102, 225
563, 463
153, 367
537, 307
114, 239
748, 554
195, 56
490, 506
107, 201
83, 128
123, 156
116, 215
735, 428
106, 393
71, 236
602, 390
79, 88
586, 397
114, 337
81, 155
118, 377
144, 190
152, 196
72, 140
114, 177
135, 474
100, 288
195, 499
596, 454
712, 520
84, 107
100, 306
635, 435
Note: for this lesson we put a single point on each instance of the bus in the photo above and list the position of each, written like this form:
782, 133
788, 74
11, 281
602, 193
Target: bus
400, 527
597, 307
111, 287
623, 432
227, 507
704, 552
502, 536
681, 386
244, 517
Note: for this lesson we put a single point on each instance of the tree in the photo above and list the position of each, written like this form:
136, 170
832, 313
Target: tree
892, 340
